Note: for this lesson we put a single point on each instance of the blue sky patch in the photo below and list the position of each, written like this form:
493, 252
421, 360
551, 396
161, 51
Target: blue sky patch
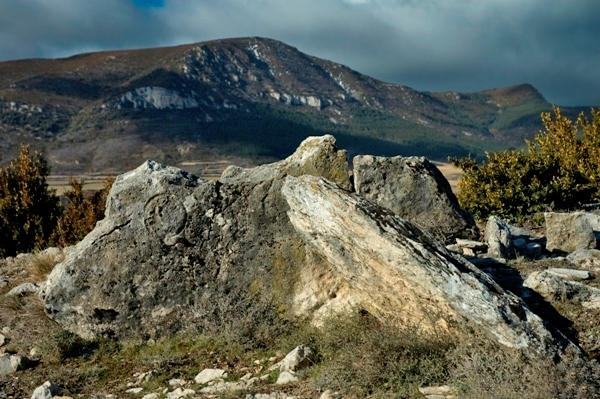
149, 3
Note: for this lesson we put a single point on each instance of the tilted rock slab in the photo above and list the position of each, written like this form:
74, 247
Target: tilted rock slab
414, 189
394, 270
177, 253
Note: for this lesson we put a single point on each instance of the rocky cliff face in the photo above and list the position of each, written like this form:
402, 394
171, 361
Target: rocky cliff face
279, 241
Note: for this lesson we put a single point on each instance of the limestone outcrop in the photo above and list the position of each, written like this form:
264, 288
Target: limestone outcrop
414, 189
284, 240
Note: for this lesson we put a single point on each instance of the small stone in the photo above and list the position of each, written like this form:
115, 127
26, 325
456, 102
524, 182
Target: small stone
134, 391
298, 358
12, 363
272, 359
35, 353
475, 245
6, 330
176, 382
45, 391
571, 274
151, 396
246, 376
443, 391
3, 339
329, 394
468, 252
286, 377
208, 375
180, 393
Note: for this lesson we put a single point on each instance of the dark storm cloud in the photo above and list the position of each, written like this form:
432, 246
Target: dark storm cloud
462, 45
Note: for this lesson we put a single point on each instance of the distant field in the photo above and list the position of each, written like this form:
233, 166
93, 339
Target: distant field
91, 182
208, 170
451, 173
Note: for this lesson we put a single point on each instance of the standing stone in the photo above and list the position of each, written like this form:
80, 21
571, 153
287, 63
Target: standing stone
568, 232
499, 238
414, 189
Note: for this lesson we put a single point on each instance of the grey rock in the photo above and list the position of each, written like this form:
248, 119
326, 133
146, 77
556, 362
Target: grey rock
9, 364
176, 253
286, 377
208, 375
568, 232
499, 238
475, 245
300, 357
3, 339
23, 289
180, 393
439, 392
135, 390
45, 391
153, 395
176, 382
555, 288
272, 395
414, 189
585, 258
570, 274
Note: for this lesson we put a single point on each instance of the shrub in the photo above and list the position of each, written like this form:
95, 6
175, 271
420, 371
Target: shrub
28, 209
81, 213
559, 169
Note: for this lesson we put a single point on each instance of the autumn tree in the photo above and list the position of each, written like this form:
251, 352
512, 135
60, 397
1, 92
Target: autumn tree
28, 209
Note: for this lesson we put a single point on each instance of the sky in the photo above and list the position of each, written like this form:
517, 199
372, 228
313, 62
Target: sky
433, 45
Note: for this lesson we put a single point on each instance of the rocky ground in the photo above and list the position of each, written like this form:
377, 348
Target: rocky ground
297, 279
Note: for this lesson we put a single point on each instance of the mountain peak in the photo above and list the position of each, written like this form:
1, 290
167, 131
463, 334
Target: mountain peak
514, 95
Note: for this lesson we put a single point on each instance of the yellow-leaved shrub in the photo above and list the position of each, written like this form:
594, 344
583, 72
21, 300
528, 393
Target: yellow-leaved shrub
558, 169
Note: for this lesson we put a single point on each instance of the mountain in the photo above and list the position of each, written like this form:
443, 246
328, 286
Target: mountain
243, 101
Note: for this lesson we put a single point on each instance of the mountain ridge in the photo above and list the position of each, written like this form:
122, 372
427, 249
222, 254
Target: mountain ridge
244, 100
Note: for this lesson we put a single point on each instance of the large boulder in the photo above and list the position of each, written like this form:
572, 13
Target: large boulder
414, 189
568, 232
176, 253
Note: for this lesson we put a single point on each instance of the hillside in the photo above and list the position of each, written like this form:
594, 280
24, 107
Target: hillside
240, 101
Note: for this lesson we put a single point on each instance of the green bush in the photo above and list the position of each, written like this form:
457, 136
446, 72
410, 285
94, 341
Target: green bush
28, 209
559, 169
